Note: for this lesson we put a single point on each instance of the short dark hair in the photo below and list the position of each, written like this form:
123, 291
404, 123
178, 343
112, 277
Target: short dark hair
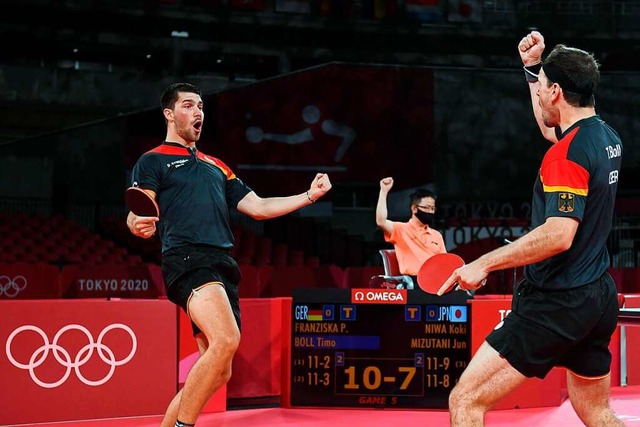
172, 93
577, 73
419, 194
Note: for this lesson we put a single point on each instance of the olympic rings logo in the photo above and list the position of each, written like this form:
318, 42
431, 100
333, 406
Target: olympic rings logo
12, 287
64, 358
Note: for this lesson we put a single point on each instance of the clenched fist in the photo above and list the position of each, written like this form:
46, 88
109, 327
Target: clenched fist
386, 184
530, 48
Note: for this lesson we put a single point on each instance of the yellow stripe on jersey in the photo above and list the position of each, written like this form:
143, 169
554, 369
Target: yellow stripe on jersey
565, 189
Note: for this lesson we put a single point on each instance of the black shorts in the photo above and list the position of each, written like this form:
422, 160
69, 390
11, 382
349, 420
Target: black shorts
566, 328
187, 268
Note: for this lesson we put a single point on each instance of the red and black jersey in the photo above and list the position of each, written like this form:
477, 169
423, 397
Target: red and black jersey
578, 178
194, 192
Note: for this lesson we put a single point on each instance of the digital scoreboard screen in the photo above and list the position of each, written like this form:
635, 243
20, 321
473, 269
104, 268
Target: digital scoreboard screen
377, 347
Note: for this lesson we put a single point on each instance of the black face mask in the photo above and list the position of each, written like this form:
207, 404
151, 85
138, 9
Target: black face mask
427, 218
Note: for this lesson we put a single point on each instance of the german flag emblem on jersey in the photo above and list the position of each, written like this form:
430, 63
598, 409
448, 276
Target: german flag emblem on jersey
565, 202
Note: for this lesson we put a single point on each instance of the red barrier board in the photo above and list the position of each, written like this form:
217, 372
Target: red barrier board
109, 281
257, 363
29, 281
86, 359
633, 343
285, 370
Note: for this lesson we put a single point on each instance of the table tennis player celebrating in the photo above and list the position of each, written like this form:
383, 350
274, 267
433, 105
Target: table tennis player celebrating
565, 311
194, 193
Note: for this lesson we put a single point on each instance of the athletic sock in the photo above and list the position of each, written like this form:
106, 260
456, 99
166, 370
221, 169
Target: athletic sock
183, 424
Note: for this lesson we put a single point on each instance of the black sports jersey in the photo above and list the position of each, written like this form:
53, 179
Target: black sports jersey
194, 193
578, 178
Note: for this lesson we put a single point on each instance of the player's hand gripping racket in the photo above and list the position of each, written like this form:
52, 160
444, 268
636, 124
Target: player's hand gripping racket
140, 203
436, 270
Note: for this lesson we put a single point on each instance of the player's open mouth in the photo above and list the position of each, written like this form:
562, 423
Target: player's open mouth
197, 125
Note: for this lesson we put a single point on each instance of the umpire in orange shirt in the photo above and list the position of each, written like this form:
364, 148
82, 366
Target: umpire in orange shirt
416, 240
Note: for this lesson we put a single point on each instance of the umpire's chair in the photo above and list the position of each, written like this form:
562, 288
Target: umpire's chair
392, 278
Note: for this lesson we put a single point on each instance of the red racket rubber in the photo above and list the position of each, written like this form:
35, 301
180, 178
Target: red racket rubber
436, 270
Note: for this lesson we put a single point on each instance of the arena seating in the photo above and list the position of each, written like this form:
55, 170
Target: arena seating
60, 259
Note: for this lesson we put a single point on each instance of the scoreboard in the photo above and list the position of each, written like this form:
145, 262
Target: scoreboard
377, 347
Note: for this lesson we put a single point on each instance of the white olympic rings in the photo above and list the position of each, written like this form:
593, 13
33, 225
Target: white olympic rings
12, 287
64, 358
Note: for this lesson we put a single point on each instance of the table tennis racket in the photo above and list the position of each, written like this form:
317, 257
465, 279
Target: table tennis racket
436, 270
140, 203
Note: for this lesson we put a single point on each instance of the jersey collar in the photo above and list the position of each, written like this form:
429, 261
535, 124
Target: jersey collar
582, 122
176, 144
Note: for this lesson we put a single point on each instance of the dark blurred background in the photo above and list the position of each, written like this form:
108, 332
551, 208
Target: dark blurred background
430, 92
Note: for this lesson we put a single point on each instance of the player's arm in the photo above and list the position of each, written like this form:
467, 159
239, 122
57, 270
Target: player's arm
271, 207
381, 207
142, 226
552, 237
531, 48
